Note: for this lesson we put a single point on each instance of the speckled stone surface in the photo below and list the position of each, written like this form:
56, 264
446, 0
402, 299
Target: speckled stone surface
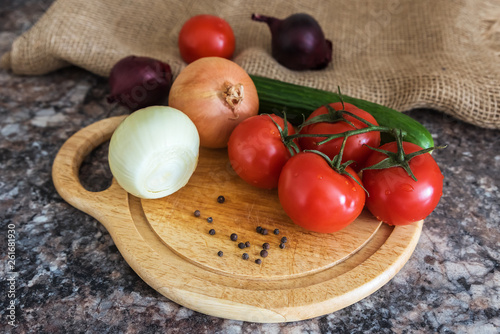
69, 277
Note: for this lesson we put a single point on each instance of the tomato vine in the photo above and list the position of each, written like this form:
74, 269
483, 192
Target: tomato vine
398, 159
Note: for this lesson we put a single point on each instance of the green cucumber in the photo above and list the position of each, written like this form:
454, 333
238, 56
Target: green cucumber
299, 102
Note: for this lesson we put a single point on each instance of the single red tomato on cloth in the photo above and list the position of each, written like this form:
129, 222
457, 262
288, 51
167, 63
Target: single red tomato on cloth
206, 36
257, 151
394, 196
355, 147
317, 197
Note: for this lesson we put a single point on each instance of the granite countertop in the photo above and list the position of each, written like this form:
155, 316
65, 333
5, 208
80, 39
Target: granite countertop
68, 276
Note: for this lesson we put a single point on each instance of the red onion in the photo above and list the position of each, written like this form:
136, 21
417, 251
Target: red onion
298, 42
139, 82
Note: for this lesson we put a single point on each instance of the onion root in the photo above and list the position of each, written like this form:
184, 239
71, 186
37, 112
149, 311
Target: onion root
233, 95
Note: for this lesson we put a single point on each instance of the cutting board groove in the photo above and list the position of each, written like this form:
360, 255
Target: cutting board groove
171, 250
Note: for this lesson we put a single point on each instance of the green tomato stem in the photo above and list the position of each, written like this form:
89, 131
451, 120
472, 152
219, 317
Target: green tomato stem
343, 134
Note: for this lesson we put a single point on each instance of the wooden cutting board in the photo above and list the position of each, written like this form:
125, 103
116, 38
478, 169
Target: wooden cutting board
172, 251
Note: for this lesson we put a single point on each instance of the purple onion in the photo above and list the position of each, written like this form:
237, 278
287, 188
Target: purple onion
139, 82
298, 42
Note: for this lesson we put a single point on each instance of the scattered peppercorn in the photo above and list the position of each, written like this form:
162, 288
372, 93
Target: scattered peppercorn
197, 213
264, 231
241, 245
282, 245
211, 232
264, 253
220, 253
276, 231
245, 256
258, 261
210, 219
258, 229
221, 199
266, 245
284, 240
247, 244
234, 237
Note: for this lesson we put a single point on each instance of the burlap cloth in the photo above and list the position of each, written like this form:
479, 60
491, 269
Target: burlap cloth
404, 54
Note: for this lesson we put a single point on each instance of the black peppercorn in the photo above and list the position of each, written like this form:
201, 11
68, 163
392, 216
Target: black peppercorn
258, 261
211, 232
276, 231
247, 244
241, 245
284, 240
266, 245
221, 199
234, 237
210, 219
258, 229
264, 231
264, 253
220, 253
197, 213
282, 245
245, 256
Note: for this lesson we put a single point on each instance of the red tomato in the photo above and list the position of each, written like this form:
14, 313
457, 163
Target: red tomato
394, 197
257, 152
355, 148
318, 198
206, 36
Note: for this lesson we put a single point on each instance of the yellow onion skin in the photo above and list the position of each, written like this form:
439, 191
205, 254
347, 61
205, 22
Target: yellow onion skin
199, 91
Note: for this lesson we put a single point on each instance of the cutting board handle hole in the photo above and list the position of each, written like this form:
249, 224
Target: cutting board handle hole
94, 173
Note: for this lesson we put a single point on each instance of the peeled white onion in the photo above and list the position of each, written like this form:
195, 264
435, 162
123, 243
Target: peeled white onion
154, 152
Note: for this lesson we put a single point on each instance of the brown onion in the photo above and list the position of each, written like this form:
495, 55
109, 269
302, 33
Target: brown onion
217, 94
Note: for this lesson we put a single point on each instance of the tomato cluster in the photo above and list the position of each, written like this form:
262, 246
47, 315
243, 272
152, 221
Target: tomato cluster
333, 167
